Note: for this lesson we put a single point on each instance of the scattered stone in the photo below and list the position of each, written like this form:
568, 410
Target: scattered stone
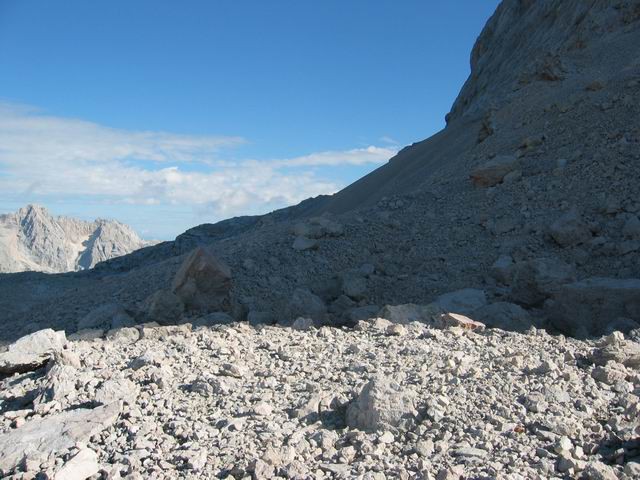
31, 352
464, 301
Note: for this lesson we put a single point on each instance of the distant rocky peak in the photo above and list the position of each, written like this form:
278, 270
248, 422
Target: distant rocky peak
33, 239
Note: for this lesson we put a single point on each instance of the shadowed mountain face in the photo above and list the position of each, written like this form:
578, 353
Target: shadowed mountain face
530, 193
33, 240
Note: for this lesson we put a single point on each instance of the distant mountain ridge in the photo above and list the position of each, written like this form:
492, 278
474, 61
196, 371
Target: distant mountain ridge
32, 239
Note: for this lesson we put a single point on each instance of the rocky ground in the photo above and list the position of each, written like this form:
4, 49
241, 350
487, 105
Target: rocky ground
383, 400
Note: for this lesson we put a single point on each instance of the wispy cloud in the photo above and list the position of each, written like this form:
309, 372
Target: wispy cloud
62, 158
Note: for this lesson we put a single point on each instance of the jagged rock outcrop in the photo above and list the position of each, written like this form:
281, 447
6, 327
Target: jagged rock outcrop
33, 239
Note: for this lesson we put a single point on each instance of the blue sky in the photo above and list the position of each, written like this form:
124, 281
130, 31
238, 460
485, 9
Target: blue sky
168, 114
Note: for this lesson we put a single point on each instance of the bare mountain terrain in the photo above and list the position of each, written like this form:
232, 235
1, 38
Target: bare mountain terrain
33, 240
469, 310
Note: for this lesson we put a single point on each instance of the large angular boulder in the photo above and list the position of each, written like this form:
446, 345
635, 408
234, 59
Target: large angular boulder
41, 437
203, 283
589, 306
32, 351
381, 405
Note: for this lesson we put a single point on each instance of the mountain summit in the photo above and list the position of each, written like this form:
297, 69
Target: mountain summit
33, 239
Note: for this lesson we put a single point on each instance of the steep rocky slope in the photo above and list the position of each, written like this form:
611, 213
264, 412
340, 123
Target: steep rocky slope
33, 240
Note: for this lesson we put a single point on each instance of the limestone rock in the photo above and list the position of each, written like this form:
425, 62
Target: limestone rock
32, 351
447, 320
116, 390
60, 384
203, 283
81, 466
32, 239
382, 404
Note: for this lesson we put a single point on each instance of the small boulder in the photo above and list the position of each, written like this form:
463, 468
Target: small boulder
302, 324
506, 316
502, 269
464, 301
494, 171
203, 283
363, 313
533, 281
570, 230
111, 315
82, 465
32, 351
586, 307
117, 389
382, 405
631, 228
302, 243
448, 320
303, 303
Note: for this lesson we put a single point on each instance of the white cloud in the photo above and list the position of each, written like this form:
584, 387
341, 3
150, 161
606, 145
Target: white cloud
62, 158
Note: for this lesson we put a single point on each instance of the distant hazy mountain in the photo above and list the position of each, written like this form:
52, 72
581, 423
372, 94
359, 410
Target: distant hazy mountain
33, 239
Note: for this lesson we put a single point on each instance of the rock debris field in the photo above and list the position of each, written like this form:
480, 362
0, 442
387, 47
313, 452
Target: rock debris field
382, 400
